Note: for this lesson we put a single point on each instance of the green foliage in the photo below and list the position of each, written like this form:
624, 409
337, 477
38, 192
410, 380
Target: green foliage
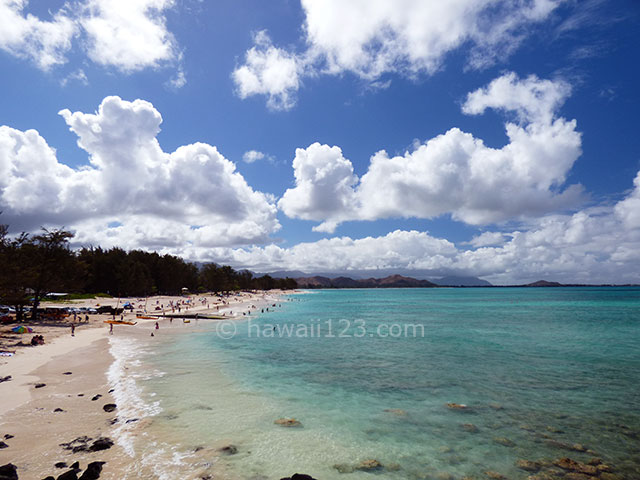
31, 266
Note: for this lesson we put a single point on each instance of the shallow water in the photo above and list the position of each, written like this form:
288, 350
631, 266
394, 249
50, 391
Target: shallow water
539, 369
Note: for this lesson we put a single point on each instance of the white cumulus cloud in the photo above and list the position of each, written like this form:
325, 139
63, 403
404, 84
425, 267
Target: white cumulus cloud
594, 245
453, 173
370, 38
269, 71
45, 42
127, 35
132, 193
252, 156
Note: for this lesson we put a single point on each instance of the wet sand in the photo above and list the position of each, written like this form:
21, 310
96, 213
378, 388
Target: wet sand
74, 371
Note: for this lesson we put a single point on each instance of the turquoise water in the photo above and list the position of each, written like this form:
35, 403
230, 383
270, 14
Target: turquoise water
540, 370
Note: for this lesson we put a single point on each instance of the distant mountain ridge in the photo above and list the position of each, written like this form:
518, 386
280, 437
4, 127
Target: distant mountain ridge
457, 281
543, 283
392, 281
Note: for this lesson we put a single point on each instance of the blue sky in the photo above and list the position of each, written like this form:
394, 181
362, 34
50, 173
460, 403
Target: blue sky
508, 132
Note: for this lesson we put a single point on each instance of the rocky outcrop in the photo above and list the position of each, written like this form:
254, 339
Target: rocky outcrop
102, 443
83, 444
288, 422
457, 406
469, 427
229, 450
528, 465
93, 471
8, 472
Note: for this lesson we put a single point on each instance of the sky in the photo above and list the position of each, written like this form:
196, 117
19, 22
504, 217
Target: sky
489, 138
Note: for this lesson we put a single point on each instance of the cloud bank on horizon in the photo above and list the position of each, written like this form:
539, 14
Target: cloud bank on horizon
530, 215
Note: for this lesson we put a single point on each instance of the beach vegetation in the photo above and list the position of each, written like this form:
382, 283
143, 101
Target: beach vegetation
33, 265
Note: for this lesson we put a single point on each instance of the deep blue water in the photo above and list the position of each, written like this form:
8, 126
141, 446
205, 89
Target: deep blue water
540, 370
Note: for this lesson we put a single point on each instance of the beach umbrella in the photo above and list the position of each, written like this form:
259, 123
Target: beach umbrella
22, 329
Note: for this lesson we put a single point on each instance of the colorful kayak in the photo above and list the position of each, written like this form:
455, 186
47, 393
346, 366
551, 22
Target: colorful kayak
119, 322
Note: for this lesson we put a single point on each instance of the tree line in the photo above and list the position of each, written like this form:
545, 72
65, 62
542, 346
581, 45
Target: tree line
31, 266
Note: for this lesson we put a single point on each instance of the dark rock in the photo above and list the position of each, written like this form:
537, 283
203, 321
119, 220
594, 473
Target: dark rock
470, 427
131, 420
288, 422
8, 472
102, 443
95, 397
198, 448
58, 410
75, 465
5, 379
93, 471
369, 465
40, 385
495, 475
113, 421
61, 465
80, 444
457, 406
69, 475
299, 476
566, 463
49, 478
112, 390
3, 445
81, 394
573, 466
67, 373
8, 436
528, 465
229, 450
504, 441
109, 407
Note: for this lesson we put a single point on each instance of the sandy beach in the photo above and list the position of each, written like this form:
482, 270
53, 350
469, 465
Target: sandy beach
58, 392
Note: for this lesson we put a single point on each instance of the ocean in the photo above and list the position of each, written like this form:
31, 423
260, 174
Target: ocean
430, 383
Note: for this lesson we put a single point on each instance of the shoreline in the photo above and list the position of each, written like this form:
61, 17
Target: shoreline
75, 370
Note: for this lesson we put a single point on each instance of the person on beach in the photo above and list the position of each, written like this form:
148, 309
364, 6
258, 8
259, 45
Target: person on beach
111, 330
157, 326
73, 330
